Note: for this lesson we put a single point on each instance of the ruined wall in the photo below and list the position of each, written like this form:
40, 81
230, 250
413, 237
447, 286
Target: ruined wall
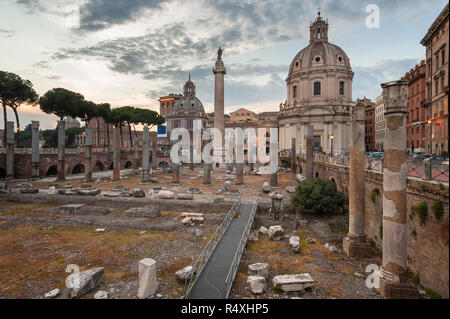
428, 243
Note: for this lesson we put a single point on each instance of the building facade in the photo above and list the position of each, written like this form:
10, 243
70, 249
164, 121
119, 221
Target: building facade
380, 124
436, 100
242, 115
370, 124
319, 93
415, 116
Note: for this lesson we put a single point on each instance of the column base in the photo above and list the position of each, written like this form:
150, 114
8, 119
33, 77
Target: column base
398, 290
207, 183
357, 247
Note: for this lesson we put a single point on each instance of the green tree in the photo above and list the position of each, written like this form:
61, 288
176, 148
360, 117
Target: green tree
319, 196
62, 103
87, 110
15, 91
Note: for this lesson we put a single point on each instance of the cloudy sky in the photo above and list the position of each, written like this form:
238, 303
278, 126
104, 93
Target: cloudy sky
130, 52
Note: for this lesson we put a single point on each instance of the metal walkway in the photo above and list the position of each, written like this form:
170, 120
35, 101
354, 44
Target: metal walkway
216, 269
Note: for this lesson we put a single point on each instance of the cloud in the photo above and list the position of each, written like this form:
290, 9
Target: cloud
31, 6
367, 80
7, 33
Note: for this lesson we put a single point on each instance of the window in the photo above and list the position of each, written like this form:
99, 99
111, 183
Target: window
318, 59
237, 115
294, 92
341, 88
443, 56
248, 114
317, 88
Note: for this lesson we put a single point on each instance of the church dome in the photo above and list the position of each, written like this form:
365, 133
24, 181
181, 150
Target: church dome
319, 52
189, 102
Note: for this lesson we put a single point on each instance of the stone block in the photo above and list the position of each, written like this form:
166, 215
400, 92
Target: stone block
256, 284
101, 295
166, 195
226, 186
276, 233
85, 281
88, 192
263, 230
290, 189
185, 196
294, 244
71, 209
148, 283
266, 187
183, 274
29, 190
138, 193
143, 212
258, 269
298, 282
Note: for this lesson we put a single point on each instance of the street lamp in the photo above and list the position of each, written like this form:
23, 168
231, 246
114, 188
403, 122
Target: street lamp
332, 138
431, 139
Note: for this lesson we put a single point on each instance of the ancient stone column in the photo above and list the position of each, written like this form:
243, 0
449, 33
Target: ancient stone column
154, 145
61, 151
393, 272
175, 173
293, 156
239, 173
136, 153
148, 281
219, 73
207, 173
146, 155
88, 155
116, 171
309, 153
10, 144
35, 149
191, 158
354, 243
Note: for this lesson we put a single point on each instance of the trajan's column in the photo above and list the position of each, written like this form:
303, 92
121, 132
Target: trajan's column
219, 72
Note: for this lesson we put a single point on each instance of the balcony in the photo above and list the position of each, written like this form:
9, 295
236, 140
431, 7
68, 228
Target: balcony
425, 103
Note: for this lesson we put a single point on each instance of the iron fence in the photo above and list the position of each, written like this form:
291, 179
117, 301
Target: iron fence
209, 248
237, 257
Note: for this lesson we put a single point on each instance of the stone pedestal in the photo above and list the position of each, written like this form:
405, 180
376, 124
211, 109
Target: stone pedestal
309, 153
34, 149
61, 151
240, 174
146, 155
88, 154
148, 282
393, 273
293, 156
10, 144
116, 171
354, 243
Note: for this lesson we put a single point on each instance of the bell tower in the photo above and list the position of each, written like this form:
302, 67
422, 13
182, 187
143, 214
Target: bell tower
318, 30
189, 88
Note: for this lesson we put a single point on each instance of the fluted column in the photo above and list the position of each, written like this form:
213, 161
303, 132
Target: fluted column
309, 153
354, 243
116, 171
35, 149
393, 273
293, 156
146, 155
10, 144
61, 151
219, 100
88, 155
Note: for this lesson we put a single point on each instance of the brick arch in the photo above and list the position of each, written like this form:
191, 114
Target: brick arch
2, 172
51, 171
128, 164
98, 167
77, 169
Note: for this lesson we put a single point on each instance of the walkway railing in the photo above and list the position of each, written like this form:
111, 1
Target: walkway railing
207, 251
237, 257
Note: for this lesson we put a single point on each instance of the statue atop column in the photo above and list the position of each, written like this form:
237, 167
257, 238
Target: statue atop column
219, 53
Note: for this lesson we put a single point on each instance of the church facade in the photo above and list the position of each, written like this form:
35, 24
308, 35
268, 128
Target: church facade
319, 93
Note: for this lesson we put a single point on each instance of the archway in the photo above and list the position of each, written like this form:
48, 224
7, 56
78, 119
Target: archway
301, 169
333, 180
317, 175
78, 169
111, 166
128, 165
98, 167
2, 173
52, 171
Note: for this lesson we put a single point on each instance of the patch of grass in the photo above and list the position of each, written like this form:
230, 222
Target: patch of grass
17, 247
422, 211
438, 209
432, 294
416, 279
